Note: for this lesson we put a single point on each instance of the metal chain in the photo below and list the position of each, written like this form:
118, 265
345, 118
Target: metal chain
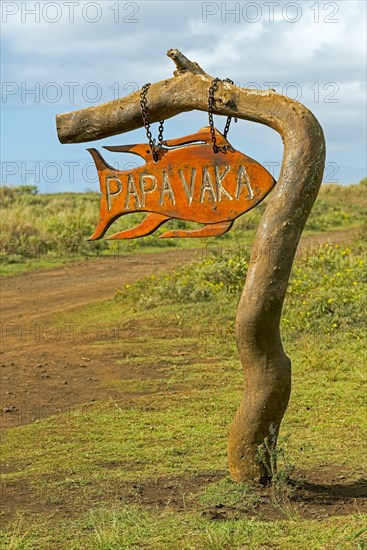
160, 133
144, 114
213, 88
228, 123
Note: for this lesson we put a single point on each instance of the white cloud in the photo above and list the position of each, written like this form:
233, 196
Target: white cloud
314, 55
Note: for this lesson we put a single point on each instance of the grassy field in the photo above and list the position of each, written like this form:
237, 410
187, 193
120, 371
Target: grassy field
148, 470
45, 230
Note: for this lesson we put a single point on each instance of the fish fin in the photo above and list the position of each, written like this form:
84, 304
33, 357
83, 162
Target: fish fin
202, 136
102, 227
150, 223
209, 230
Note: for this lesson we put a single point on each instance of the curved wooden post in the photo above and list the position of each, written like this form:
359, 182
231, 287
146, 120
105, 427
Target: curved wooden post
267, 369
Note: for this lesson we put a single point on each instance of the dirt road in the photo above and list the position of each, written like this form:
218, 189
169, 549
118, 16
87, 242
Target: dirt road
43, 371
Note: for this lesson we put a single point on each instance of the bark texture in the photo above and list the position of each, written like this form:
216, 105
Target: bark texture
267, 369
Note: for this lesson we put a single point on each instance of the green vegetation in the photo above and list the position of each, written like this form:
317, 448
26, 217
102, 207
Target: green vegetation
177, 423
112, 467
39, 230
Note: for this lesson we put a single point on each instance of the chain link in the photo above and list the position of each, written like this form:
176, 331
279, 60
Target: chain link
160, 133
213, 88
144, 114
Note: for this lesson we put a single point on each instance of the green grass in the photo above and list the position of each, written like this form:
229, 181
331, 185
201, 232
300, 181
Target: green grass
48, 230
175, 426
131, 527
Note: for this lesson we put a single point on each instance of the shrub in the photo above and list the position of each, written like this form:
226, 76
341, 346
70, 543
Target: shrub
195, 282
326, 289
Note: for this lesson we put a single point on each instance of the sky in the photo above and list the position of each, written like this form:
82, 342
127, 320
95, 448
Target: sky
61, 56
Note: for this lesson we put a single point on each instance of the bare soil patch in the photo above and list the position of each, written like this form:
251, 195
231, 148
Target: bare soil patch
46, 369
314, 494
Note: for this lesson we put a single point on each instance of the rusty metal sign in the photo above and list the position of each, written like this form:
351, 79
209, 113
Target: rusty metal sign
189, 181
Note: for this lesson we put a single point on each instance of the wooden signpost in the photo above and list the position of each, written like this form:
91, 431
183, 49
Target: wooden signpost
189, 181
213, 184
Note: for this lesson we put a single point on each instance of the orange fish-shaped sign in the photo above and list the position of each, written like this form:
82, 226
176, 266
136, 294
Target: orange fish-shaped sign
188, 182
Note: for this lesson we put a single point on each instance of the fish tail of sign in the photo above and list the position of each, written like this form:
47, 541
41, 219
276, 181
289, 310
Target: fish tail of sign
150, 223
209, 230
